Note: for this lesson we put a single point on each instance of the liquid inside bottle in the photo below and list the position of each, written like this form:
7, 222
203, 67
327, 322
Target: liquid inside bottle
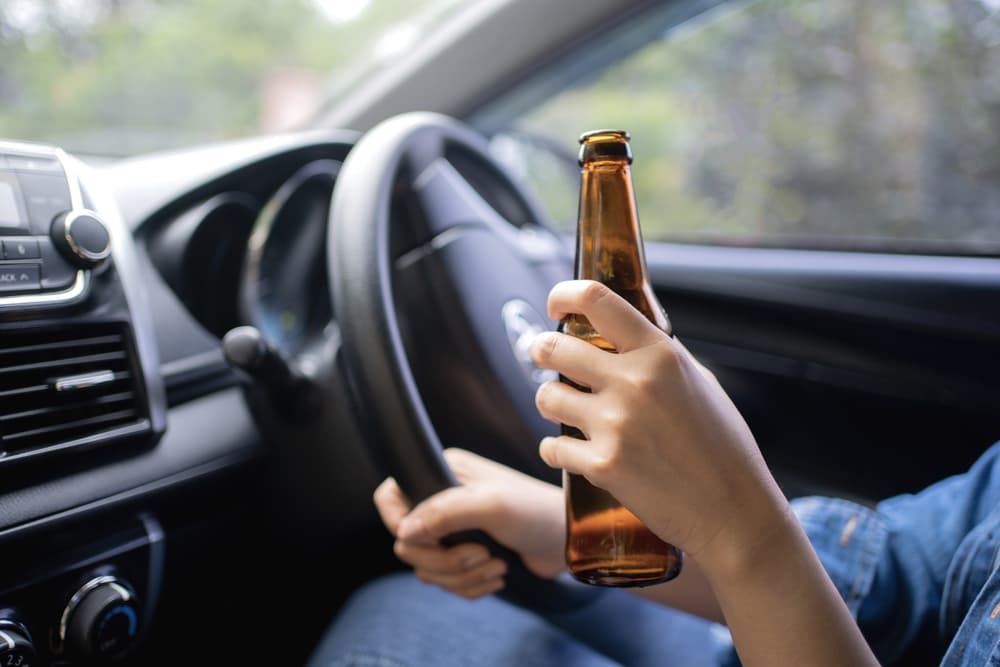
606, 544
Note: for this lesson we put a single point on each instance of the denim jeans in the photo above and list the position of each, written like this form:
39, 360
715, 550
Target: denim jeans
920, 574
397, 621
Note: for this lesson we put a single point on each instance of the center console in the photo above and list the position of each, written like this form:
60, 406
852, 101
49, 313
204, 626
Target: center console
79, 381
77, 364
88, 602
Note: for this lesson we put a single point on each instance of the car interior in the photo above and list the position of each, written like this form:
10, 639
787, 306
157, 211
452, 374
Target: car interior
211, 354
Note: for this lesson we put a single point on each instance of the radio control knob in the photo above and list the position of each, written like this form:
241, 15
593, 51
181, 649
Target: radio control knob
101, 621
82, 238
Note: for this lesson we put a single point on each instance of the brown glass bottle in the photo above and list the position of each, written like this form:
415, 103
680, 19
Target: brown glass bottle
606, 544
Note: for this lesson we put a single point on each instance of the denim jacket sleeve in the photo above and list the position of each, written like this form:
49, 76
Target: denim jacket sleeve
890, 563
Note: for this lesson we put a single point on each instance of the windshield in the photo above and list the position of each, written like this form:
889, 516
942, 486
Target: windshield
120, 77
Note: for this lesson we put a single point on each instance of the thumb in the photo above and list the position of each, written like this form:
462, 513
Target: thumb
450, 511
391, 504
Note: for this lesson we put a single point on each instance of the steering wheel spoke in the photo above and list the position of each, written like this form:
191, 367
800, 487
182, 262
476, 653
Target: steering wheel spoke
447, 200
436, 344
468, 302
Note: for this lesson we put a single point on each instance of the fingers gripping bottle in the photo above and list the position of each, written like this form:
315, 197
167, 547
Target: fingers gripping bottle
606, 544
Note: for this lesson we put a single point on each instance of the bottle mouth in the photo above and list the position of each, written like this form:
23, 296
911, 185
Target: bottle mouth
597, 136
605, 145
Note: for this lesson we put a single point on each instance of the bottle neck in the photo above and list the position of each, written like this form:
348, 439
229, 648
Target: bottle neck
609, 243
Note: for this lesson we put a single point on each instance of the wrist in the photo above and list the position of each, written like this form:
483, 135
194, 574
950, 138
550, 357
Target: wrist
777, 599
761, 534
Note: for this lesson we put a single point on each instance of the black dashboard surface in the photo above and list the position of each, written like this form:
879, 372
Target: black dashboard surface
219, 477
209, 425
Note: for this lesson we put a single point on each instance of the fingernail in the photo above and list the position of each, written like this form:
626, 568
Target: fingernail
536, 343
543, 449
494, 569
477, 557
410, 527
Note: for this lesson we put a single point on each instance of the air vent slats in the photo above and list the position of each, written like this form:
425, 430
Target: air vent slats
89, 421
83, 405
59, 363
42, 347
62, 386
23, 390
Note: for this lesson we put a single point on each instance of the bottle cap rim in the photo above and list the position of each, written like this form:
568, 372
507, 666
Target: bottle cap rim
595, 136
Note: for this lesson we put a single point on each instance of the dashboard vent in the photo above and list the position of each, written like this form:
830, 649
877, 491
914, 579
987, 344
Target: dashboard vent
70, 386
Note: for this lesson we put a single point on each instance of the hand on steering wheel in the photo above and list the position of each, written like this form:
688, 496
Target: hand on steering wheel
481, 278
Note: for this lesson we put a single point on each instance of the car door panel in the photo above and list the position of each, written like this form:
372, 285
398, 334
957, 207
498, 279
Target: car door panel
863, 375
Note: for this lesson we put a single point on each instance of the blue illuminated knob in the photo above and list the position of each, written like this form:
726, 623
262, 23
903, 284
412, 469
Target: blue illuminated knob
101, 621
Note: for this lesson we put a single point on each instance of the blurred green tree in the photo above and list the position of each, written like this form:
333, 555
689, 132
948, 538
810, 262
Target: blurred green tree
124, 76
829, 123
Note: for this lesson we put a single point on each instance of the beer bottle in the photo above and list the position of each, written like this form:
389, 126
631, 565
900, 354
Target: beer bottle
606, 544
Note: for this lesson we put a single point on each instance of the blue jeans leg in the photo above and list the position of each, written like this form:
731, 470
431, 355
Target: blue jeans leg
397, 621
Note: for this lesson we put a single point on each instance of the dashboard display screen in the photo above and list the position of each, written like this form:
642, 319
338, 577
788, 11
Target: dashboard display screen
10, 212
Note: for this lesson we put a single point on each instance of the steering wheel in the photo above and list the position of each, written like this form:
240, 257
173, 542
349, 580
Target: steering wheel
471, 283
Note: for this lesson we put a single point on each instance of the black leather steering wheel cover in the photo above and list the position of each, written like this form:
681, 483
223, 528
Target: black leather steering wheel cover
373, 356
361, 289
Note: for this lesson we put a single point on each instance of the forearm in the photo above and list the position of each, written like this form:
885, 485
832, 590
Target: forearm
780, 605
689, 592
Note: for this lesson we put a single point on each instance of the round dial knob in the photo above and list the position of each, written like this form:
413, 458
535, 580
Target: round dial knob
82, 238
101, 620
16, 648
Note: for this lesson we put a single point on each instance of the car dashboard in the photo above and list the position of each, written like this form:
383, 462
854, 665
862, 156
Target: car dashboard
139, 470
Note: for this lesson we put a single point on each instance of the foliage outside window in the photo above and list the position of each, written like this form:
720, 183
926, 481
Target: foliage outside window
118, 77
819, 123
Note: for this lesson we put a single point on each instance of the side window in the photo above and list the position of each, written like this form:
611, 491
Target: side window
845, 124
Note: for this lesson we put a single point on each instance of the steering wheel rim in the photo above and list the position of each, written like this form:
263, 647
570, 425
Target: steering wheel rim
374, 358
376, 362
361, 274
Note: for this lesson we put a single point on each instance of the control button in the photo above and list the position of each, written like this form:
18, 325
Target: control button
20, 277
34, 163
21, 249
101, 621
82, 238
57, 273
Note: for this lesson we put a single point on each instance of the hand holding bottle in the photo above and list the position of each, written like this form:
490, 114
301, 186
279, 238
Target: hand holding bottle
606, 544
663, 437
518, 511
